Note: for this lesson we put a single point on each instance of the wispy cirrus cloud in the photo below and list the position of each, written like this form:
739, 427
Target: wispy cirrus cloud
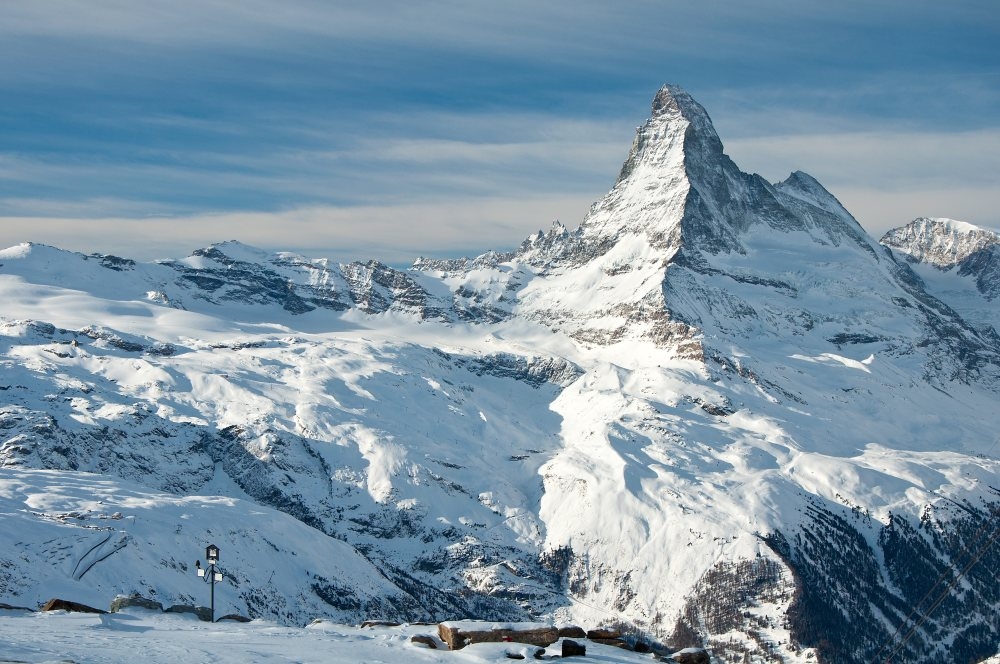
550, 158
394, 233
175, 116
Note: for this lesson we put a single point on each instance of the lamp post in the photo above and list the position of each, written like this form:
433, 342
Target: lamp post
211, 573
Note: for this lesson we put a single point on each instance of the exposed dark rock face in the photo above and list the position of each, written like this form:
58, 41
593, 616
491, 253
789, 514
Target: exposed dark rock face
376, 288
984, 266
691, 656
860, 591
536, 371
115, 263
240, 281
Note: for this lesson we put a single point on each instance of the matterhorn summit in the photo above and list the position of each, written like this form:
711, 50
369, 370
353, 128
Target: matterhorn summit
716, 413
681, 188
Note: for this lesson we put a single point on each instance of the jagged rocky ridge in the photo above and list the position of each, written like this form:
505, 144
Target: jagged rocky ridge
941, 242
958, 262
717, 411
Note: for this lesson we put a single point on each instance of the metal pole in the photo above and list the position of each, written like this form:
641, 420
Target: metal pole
211, 569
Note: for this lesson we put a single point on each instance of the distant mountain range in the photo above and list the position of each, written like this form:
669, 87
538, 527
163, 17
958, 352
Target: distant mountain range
717, 413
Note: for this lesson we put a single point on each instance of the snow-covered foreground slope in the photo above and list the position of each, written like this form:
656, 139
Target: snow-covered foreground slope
420, 458
166, 639
93, 537
717, 412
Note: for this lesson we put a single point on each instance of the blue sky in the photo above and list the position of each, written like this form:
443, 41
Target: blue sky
397, 129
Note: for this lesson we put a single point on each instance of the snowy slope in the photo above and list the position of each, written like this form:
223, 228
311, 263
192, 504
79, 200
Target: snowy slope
392, 446
716, 411
166, 639
92, 537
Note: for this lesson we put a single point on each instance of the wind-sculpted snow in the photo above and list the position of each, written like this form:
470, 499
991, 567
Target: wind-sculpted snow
717, 412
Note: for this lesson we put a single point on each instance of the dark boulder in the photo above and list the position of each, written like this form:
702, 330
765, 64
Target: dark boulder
234, 617
459, 635
203, 612
8, 607
607, 637
424, 640
56, 604
603, 634
379, 623
572, 632
691, 656
123, 602
573, 649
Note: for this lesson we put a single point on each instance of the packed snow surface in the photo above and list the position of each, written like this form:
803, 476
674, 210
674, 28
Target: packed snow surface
119, 638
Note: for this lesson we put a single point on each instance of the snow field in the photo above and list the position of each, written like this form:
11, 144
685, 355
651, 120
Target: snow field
118, 638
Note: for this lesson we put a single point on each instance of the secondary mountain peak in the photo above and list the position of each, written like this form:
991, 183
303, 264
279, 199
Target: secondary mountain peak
939, 241
957, 262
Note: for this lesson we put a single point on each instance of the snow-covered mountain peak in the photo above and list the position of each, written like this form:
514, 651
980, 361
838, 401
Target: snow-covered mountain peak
672, 100
17, 251
678, 188
808, 189
715, 384
676, 121
34, 251
681, 208
939, 241
687, 248
958, 263
234, 250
